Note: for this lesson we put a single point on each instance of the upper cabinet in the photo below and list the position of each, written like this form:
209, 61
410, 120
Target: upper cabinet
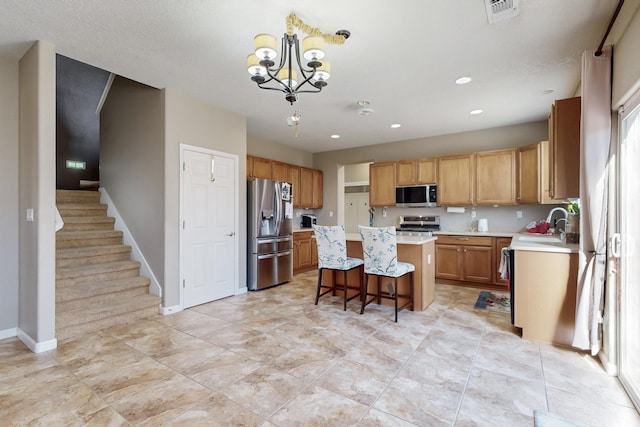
279, 171
533, 174
306, 183
258, 167
293, 177
564, 148
495, 177
456, 179
317, 189
417, 171
382, 184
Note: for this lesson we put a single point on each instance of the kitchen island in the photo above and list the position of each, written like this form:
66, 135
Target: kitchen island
419, 251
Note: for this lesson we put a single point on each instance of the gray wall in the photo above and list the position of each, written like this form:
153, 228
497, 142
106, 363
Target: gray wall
37, 178
283, 153
465, 142
132, 163
193, 122
9, 212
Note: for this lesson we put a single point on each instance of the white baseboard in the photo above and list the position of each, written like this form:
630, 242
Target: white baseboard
36, 347
169, 310
8, 333
241, 291
609, 367
136, 253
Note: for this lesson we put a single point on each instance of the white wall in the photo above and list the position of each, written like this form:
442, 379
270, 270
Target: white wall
283, 153
9, 197
37, 183
132, 164
191, 121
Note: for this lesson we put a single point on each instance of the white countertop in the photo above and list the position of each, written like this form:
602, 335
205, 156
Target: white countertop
542, 243
402, 240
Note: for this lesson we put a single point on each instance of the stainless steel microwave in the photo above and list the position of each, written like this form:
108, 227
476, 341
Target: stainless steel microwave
417, 196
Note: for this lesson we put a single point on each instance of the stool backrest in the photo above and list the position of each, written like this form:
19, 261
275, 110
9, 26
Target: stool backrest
380, 249
332, 246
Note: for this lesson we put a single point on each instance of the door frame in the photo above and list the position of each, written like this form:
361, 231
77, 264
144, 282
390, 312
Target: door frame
236, 203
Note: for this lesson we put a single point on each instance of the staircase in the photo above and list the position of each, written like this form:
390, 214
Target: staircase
97, 283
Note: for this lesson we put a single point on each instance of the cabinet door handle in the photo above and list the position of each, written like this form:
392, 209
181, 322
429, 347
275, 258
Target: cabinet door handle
463, 238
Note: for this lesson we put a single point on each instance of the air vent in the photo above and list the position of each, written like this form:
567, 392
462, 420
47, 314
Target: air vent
497, 10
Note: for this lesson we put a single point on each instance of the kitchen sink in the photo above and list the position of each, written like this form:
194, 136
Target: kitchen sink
540, 239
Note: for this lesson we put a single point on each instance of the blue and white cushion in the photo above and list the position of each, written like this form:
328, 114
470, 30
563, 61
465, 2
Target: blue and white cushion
332, 248
381, 253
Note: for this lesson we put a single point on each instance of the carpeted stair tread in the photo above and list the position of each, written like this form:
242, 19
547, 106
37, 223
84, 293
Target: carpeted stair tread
70, 257
95, 269
81, 209
74, 239
88, 223
63, 333
91, 287
77, 196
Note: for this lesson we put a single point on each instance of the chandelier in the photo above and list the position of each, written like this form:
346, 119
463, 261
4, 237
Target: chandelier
284, 77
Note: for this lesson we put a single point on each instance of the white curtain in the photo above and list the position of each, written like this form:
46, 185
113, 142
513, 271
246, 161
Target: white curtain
595, 141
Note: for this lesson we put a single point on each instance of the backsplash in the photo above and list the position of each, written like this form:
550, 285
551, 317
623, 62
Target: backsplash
501, 218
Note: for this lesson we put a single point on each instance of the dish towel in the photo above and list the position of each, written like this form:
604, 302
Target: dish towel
504, 264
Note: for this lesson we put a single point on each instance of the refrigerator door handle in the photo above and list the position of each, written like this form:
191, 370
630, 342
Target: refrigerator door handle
284, 253
267, 256
278, 205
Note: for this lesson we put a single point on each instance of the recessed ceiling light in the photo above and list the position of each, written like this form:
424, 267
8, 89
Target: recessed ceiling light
474, 112
335, 136
396, 125
463, 80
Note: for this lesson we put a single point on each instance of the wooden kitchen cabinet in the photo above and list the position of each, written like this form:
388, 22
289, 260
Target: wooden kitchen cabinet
465, 258
261, 168
306, 187
382, 184
293, 177
317, 189
279, 171
495, 182
456, 180
532, 183
303, 259
564, 148
417, 171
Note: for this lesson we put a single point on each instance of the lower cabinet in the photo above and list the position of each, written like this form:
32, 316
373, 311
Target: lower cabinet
466, 258
305, 252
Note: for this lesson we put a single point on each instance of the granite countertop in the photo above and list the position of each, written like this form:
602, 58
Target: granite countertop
477, 233
402, 240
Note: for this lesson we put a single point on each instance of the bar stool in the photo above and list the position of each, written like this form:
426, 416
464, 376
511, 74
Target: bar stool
332, 255
381, 259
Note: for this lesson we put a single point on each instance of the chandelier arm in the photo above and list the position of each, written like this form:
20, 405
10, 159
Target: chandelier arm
284, 88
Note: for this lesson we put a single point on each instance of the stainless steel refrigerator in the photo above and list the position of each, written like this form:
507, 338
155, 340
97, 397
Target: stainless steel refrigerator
270, 244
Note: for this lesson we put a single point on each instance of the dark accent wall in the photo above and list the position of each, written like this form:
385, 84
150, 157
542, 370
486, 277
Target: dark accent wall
79, 88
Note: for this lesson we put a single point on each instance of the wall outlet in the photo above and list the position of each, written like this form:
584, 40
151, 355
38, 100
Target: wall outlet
518, 214
384, 213
473, 213
330, 214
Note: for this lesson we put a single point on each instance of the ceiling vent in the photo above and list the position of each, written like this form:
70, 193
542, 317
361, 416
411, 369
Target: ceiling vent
497, 10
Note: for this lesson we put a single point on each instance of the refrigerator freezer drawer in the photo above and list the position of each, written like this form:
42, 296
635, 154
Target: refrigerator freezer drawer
270, 269
265, 245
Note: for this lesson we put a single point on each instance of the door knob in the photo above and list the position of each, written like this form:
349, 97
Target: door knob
231, 234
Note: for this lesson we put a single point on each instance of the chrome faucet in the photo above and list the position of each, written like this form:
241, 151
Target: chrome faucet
563, 210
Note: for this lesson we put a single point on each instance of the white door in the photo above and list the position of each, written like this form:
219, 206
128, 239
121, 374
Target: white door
629, 267
356, 211
209, 231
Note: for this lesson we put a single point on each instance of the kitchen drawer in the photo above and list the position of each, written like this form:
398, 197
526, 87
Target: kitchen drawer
302, 235
464, 240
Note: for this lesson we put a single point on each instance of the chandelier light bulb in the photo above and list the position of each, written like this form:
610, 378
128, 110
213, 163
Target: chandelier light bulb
323, 72
254, 67
284, 77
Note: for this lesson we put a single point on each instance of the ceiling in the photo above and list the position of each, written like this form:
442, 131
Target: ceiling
403, 59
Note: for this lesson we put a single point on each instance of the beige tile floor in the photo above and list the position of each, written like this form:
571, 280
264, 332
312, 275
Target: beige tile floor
273, 358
